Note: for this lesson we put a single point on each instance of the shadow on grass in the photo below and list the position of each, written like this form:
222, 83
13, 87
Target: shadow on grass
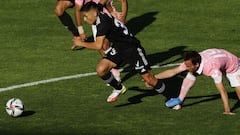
27, 113
138, 98
137, 24
207, 98
173, 91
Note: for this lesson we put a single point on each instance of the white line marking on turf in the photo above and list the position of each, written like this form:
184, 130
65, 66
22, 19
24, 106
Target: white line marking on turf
65, 78
46, 81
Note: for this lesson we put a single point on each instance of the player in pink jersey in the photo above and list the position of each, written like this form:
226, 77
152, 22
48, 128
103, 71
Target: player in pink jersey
213, 63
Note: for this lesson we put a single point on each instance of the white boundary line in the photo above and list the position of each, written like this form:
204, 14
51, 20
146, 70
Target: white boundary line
65, 78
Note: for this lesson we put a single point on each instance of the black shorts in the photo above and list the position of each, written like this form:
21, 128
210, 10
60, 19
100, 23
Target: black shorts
134, 55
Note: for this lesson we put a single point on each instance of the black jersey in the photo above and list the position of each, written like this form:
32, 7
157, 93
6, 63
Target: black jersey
114, 30
125, 48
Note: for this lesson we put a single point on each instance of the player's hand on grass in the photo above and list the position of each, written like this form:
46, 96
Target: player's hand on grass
83, 36
229, 113
73, 47
76, 42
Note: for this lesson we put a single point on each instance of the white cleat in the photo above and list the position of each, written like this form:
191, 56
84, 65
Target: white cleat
115, 93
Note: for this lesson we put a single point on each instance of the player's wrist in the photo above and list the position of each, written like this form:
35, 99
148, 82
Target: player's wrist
80, 29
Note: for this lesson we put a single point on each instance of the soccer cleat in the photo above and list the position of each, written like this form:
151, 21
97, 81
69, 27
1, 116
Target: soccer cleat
115, 93
173, 102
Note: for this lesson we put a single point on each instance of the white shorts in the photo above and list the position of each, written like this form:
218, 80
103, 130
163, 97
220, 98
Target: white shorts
234, 78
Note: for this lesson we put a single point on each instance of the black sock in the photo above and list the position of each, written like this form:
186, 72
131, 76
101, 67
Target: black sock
109, 79
66, 20
158, 86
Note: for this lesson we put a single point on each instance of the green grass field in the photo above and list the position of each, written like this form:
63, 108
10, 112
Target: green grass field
34, 46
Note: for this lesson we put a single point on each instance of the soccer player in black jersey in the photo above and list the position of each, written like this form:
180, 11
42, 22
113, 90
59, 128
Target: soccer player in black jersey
125, 48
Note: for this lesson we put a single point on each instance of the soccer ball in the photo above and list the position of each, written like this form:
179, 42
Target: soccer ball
14, 107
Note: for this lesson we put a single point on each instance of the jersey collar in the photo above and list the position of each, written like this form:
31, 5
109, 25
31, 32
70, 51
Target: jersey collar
97, 21
200, 69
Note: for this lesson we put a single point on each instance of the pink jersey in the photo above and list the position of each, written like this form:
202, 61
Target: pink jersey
215, 62
80, 2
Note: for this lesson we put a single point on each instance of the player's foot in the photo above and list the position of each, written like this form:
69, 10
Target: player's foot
73, 47
115, 93
77, 37
173, 102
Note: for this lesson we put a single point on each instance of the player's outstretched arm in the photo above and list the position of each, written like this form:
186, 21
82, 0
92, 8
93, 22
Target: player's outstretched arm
168, 73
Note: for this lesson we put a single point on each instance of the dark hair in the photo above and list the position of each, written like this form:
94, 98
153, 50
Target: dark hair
193, 56
90, 5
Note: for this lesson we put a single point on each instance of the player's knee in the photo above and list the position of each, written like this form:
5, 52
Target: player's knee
58, 11
101, 70
151, 81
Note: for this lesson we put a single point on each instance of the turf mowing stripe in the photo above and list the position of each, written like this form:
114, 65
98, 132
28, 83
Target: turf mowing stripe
65, 78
